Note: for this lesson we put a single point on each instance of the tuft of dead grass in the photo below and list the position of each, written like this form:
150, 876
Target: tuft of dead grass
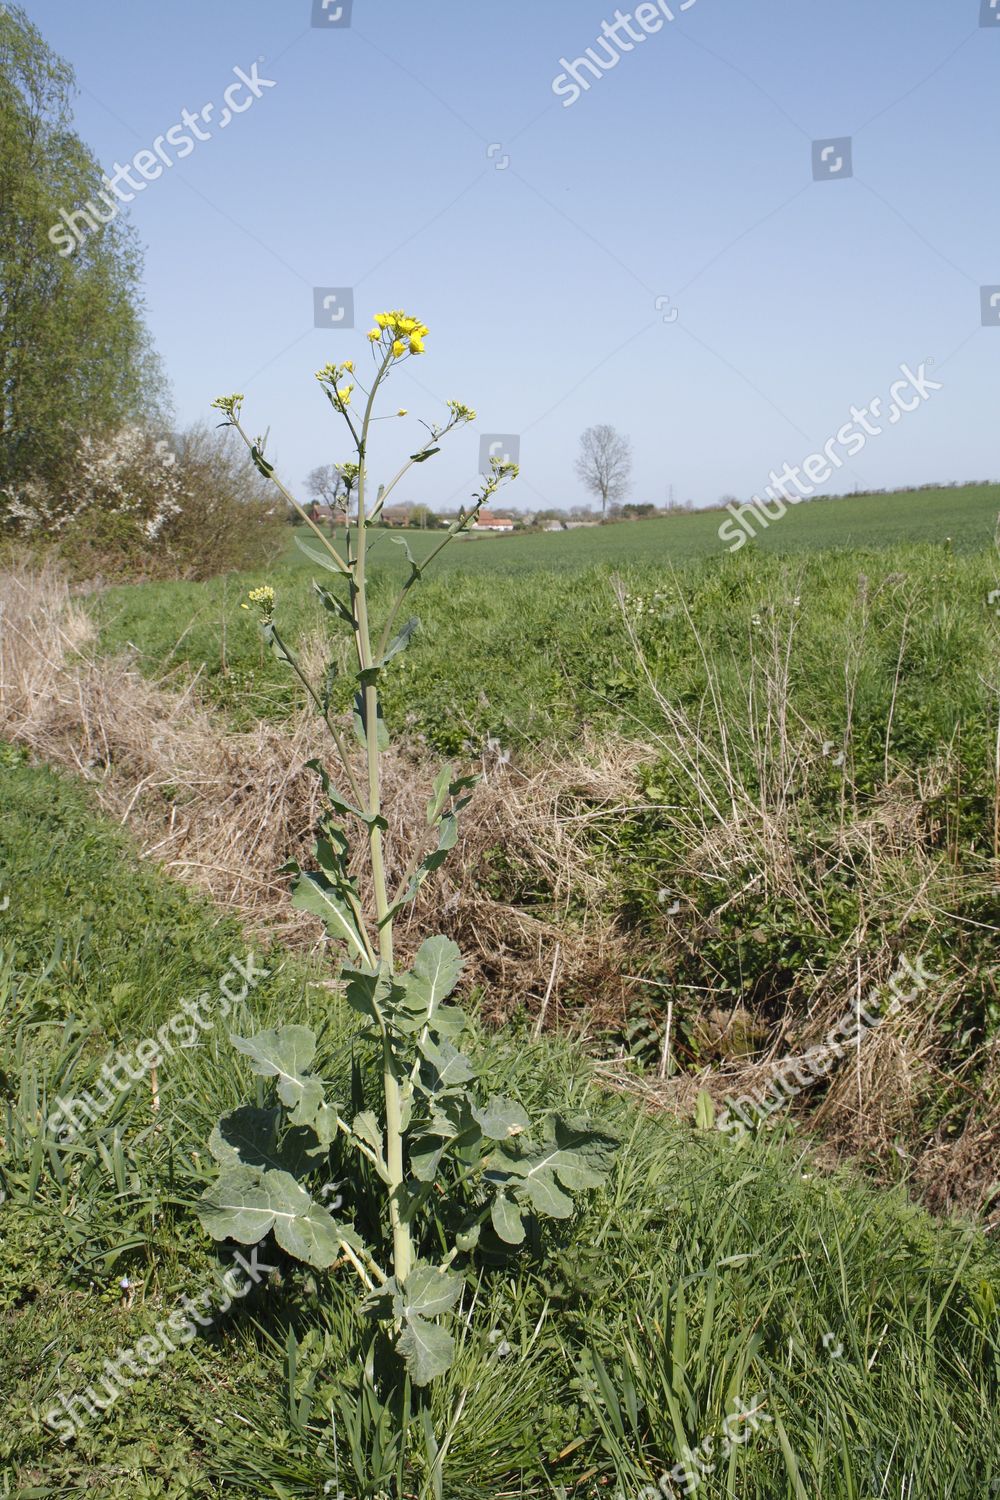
225, 810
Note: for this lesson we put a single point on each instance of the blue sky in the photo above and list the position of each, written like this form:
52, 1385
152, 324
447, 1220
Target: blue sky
420, 156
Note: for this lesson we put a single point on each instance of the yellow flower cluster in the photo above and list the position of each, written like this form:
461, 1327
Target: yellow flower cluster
330, 375
406, 334
460, 412
264, 596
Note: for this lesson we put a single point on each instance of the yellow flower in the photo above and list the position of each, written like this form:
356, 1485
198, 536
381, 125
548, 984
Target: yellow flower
349, 366
401, 412
416, 344
374, 336
344, 394
264, 596
399, 348
382, 320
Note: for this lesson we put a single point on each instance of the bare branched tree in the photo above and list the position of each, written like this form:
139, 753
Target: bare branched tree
327, 485
605, 463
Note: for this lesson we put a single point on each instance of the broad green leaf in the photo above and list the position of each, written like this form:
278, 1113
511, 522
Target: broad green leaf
416, 570
507, 1220
545, 1195
246, 1204
501, 1118
370, 994
313, 1236
366, 1128
443, 1066
427, 1349
361, 729
401, 641
317, 555
312, 1110
580, 1155
234, 1207
429, 1292
384, 1302
425, 1153
423, 455
436, 969
572, 1156
313, 893
434, 975
284, 1054
247, 1137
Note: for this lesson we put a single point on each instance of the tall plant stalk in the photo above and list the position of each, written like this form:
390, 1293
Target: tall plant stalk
449, 1159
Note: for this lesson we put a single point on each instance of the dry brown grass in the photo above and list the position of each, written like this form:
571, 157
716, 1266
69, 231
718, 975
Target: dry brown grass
224, 811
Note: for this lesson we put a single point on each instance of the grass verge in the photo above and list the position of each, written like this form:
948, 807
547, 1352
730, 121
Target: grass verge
707, 1278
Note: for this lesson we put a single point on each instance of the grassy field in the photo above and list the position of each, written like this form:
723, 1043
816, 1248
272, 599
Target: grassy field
820, 794
706, 1279
812, 794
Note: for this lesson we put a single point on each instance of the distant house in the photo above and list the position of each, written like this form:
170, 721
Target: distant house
487, 520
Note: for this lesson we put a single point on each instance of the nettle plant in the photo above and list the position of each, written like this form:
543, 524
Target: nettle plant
448, 1161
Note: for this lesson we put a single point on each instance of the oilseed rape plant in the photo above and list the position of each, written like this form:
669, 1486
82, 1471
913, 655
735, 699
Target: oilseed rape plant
455, 1169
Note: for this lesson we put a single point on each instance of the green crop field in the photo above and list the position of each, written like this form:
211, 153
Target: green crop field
965, 514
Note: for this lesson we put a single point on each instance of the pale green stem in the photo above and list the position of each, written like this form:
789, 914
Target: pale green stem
402, 1245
